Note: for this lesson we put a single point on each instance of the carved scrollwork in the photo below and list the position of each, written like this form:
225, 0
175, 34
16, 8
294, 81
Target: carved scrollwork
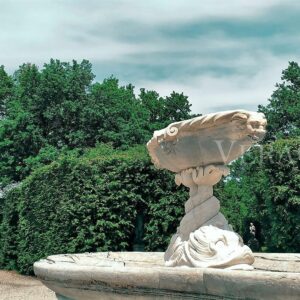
171, 131
208, 175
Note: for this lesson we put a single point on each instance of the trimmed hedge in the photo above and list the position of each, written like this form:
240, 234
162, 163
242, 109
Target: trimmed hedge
282, 196
264, 189
87, 204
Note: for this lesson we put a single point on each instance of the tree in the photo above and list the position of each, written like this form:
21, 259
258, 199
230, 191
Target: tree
282, 198
6, 90
62, 95
283, 110
176, 107
60, 106
20, 135
44, 109
153, 103
120, 118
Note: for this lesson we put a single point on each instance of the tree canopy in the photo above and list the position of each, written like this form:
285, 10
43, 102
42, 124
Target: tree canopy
283, 109
61, 106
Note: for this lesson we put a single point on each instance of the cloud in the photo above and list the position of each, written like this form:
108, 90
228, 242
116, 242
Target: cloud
222, 54
212, 93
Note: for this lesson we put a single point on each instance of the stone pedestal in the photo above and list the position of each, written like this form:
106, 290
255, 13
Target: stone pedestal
202, 208
204, 238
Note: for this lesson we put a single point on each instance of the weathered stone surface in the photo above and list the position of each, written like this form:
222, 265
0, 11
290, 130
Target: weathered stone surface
199, 215
131, 275
209, 246
202, 194
219, 221
216, 139
278, 262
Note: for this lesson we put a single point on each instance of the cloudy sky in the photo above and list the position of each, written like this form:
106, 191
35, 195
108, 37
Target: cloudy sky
222, 54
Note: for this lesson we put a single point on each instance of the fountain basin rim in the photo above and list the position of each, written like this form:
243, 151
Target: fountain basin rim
128, 272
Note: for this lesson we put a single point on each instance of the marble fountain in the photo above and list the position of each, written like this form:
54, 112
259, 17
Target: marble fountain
205, 259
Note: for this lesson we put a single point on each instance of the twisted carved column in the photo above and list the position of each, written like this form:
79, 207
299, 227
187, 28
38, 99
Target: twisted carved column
204, 238
202, 208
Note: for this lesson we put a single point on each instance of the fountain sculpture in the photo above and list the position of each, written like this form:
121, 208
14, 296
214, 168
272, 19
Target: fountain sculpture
197, 150
205, 257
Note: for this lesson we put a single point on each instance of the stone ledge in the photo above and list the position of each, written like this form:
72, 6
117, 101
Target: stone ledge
142, 275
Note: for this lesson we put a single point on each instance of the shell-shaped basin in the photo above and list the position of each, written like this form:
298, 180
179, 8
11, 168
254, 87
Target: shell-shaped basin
216, 138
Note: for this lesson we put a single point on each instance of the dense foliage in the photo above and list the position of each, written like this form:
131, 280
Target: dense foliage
89, 202
60, 107
283, 110
264, 189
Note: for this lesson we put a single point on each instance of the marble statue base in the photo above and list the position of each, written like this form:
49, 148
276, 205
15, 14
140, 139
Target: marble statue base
204, 238
143, 275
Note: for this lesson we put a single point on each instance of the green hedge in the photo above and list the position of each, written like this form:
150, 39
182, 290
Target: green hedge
282, 195
264, 188
86, 204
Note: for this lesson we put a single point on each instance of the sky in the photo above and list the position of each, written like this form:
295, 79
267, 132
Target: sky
223, 55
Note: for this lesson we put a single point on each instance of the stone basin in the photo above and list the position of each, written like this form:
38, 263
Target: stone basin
143, 275
216, 138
